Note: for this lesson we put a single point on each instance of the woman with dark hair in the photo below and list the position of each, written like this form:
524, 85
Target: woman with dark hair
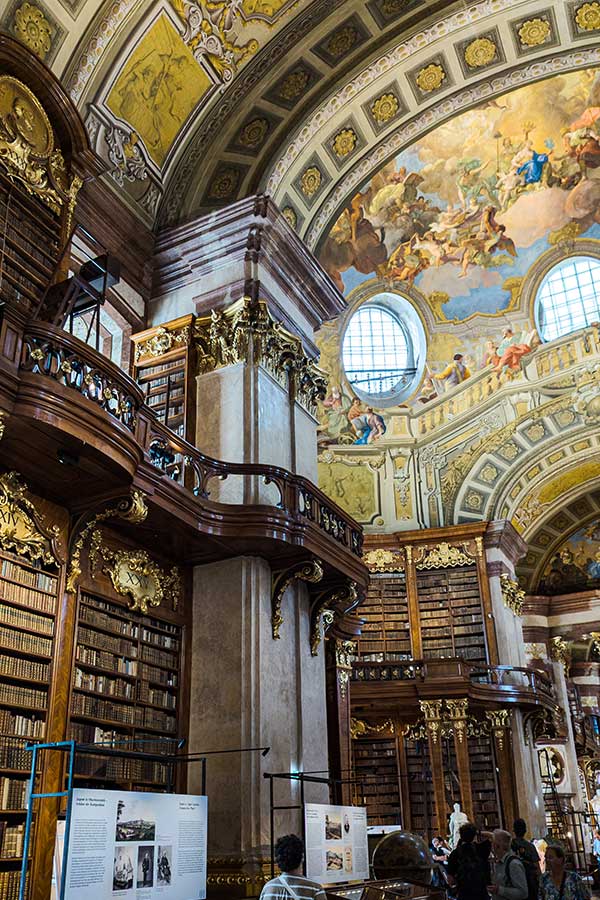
558, 884
291, 884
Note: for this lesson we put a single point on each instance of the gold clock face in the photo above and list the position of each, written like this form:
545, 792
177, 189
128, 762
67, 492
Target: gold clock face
22, 117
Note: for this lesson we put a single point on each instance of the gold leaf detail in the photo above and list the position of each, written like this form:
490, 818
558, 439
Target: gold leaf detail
383, 561
480, 52
385, 108
443, 557
430, 78
534, 32
588, 17
290, 216
294, 84
33, 29
253, 134
311, 181
344, 142
342, 41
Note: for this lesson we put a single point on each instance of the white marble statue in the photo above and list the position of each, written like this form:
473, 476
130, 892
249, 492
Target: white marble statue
595, 804
457, 819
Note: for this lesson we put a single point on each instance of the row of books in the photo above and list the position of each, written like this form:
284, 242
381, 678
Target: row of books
160, 640
116, 645
13, 792
20, 667
120, 626
21, 696
12, 842
156, 697
24, 726
27, 577
114, 769
9, 885
26, 643
162, 676
14, 593
158, 657
13, 754
23, 619
92, 734
94, 707
105, 660
113, 687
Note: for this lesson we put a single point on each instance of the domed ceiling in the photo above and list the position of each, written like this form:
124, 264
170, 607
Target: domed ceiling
196, 103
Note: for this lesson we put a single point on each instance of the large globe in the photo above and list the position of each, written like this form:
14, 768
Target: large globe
402, 855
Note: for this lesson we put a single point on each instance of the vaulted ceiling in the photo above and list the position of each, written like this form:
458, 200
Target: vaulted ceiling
196, 103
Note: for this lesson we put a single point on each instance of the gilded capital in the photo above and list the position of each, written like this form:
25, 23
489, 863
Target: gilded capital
512, 594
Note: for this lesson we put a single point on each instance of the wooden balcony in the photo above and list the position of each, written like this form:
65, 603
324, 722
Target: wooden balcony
90, 437
397, 685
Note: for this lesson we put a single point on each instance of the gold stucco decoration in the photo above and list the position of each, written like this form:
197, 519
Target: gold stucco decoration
161, 342
342, 41
33, 29
358, 728
22, 528
293, 84
290, 216
512, 594
253, 134
444, 557
344, 142
560, 652
310, 181
480, 52
385, 108
474, 500
588, 17
534, 32
381, 560
430, 78
224, 184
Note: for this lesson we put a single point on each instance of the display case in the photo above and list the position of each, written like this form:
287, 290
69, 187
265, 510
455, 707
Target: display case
385, 890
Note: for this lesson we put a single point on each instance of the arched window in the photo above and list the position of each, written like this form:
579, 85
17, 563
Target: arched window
569, 297
382, 349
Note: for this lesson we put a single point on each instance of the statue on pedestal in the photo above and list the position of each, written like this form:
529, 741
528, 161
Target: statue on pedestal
457, 819
595, 804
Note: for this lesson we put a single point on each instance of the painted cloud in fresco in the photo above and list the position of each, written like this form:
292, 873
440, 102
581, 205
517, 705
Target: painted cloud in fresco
473, 204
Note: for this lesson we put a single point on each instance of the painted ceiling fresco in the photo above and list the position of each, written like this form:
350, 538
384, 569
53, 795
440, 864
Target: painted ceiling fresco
471, 206
575, 566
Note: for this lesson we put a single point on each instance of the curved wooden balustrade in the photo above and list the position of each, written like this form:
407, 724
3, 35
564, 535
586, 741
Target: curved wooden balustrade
434, 677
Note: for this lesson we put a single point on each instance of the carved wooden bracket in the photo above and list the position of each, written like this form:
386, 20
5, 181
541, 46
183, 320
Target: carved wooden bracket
328, 605
311, 571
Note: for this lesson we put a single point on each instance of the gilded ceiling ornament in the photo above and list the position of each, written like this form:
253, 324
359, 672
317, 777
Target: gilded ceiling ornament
534, 32
22, 527
473, 500
33, 29
480, 52
390, 7
290, 216
344, 142
444, 557
588, 16
385, 108
489, 473
512, 594
430, 78
384, 561
293, 85
253, 134
342, 41
225, 184
311, 181
536, 432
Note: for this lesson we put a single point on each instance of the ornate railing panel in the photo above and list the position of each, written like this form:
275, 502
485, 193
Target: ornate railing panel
68, 361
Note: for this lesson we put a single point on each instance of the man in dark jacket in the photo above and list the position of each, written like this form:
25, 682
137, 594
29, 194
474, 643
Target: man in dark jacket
528, 855
468, 865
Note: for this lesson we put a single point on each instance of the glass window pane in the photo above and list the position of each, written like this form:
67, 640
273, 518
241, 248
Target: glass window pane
375, 351
569, 297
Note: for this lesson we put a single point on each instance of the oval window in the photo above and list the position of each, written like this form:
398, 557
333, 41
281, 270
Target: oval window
569, 297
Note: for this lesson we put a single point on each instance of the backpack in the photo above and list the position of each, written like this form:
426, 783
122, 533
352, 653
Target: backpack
532, 892
532, 871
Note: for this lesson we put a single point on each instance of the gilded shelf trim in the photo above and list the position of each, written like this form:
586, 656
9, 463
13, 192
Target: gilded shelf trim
444, 556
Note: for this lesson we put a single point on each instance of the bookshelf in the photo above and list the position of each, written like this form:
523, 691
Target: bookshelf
29, 244
28, 602
376, 768
127, 674
483, 782
419, 787
385, 613
451, 615
163, 368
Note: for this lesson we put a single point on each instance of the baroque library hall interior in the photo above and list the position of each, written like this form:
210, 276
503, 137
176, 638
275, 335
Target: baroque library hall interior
299, 448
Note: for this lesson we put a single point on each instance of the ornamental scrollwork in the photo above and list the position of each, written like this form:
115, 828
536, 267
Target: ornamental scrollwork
432, 711
311, 572
560, 652
325, 607
512, 594
246, 332
360, 728
444, 556
499, 720
22, 527
344, 654
161, 342
384, 561
457, 714
133, 573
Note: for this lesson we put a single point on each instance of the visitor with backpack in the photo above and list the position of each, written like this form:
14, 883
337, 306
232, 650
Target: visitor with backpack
529, 856
509, 879
468, 865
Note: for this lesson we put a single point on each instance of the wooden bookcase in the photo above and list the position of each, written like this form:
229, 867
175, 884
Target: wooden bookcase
28, 603
483, 782
385, 613
376, 768
451, 614
419, 790
164, 368
127, 677
29, 244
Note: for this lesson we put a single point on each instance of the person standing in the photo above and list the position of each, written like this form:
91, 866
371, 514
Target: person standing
557, 883
468, 867
528, 855
509, 879
291, 884
596, 848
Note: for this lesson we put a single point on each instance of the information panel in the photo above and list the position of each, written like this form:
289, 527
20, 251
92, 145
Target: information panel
136, 845
336, 843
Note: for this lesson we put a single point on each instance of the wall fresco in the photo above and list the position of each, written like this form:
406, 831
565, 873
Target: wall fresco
575, 565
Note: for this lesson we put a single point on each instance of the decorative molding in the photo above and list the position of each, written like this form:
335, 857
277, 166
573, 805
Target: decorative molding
344, 653
161, 342
499, 720
560, 652
311, 572
432, 711
132, 509
328, 603
133, 573
457, 714
444, 557
247, 332
22, 528
360, 728
381, 560
512, 594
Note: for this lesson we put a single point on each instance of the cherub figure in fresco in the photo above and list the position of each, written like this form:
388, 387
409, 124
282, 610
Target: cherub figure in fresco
367, 425
510, 351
